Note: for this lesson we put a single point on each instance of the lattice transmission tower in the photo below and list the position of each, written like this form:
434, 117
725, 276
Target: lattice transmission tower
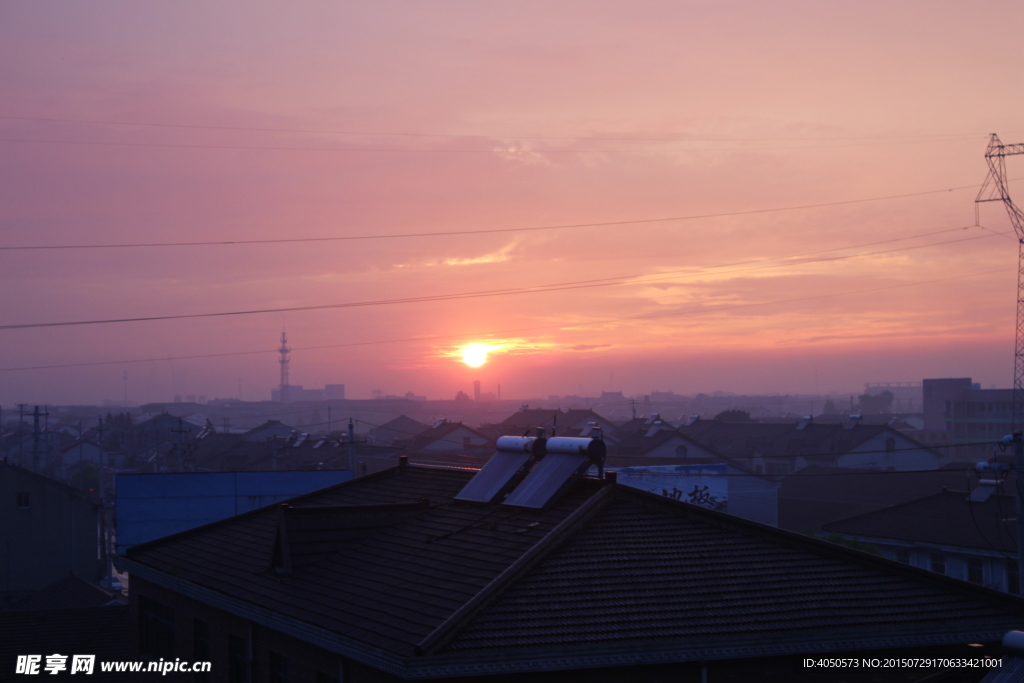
994, 189
284, 350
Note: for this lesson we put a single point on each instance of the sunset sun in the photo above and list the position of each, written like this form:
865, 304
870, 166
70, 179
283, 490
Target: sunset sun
474, 355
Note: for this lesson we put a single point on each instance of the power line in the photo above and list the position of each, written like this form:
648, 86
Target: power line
487, 231
263, 129
537, 289
513, 149
602, 321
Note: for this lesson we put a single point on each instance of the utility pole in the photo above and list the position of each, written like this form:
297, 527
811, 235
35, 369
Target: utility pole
35, 437
180, 431
21, 436
103, 453
328, 420
352, 447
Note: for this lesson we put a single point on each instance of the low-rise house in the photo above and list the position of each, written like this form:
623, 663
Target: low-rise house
818, 495
424, 573
450, 437
573, 422
661, 440
397, 432
968, 536
783, 448
47, 531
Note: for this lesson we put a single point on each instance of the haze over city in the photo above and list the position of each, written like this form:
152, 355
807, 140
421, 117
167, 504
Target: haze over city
819, 164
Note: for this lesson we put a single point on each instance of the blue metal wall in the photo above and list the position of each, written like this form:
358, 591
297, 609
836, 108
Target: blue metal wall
151, 506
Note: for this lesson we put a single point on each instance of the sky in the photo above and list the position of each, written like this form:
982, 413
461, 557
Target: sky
818, 161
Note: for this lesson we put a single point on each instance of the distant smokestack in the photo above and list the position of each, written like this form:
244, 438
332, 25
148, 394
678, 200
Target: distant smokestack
476, 390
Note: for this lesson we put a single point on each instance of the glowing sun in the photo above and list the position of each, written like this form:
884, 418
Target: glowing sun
474, 355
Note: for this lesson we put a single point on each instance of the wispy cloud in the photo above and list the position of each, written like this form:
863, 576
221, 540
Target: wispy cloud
588, 347
503, 254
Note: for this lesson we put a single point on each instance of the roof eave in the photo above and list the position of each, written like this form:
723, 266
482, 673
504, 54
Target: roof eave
533, 660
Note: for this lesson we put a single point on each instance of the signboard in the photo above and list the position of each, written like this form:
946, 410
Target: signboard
705, 485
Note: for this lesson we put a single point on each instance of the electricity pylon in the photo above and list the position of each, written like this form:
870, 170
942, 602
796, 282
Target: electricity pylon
994, 189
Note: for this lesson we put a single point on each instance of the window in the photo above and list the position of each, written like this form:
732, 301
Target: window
1012, 579
903, 555
201, 646
975, 570
238, 659
681, 451
890, 445
938, 563
156, 628
278, 668
22, 500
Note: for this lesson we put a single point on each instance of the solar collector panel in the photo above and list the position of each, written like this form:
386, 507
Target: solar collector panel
503, 470
490, 481
549, 478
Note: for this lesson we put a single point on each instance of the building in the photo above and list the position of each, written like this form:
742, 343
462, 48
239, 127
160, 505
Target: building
959, 412
716, 485
396, 432
48, 530
295, 393
971, 537
573, 422
819, 495
450, 437
424, 573
782, 448
151, 506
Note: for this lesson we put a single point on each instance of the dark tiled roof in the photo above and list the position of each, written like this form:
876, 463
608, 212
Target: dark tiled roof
390, 590
947, 518
646, 570
745, 439
67, 593
639, 443
818, 495
605, 566
443, 432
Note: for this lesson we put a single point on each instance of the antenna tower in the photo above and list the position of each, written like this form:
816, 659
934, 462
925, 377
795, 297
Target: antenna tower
994, 189
284, 350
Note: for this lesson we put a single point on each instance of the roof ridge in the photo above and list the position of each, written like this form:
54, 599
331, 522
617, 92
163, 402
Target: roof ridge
448, 628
